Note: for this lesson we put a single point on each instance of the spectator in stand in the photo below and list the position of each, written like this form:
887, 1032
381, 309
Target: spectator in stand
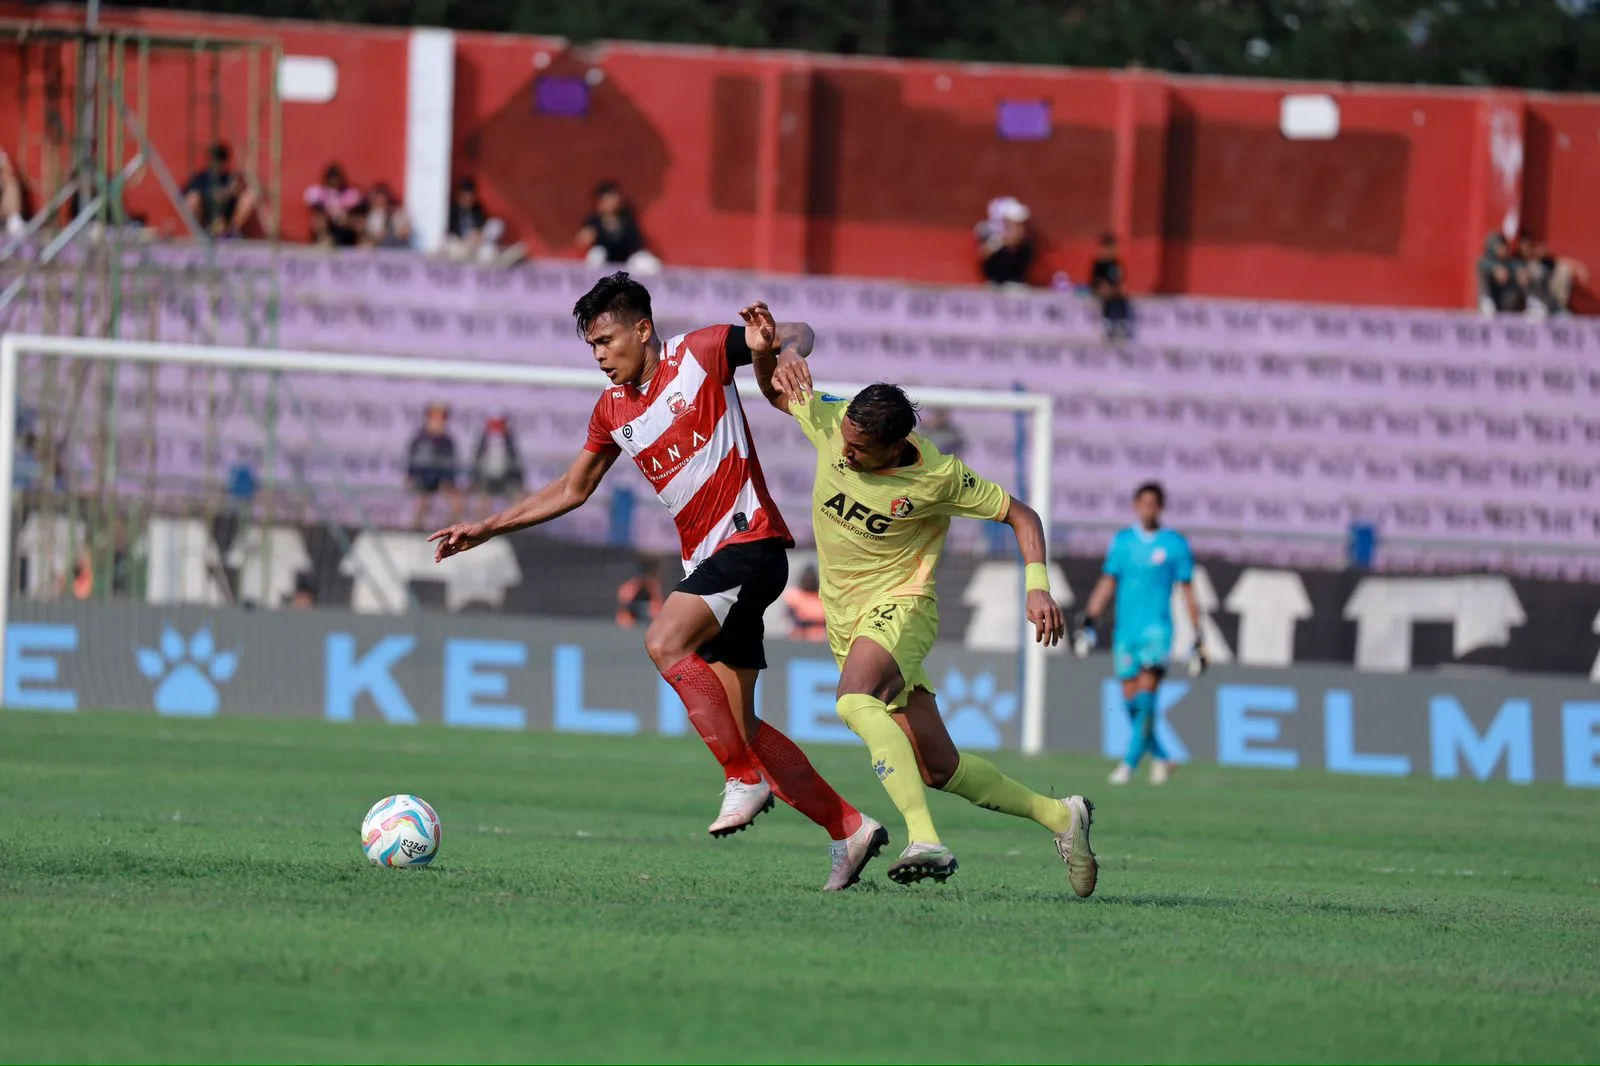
612, 235
1107, 280
304, 596
82, 575
339, 201
807, 620
13, 208
387, 226
496, 467
1499, 279
1547, 279
1005, 248
26, 468
472, 234
431, 464
322, 235
937, 428
639, 597
218, 196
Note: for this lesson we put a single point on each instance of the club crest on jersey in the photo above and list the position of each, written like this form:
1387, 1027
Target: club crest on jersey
676, 404
900, 508
1158, 556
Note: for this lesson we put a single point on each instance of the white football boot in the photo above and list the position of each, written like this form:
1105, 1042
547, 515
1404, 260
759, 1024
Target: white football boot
921, 861
1073, 846
851, 855
1160, 771
1121, 775
741, 803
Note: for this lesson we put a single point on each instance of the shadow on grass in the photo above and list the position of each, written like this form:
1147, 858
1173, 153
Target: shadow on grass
1171, 901
1287, 906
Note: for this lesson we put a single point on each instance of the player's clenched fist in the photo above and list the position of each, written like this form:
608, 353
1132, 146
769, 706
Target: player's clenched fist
453, 540
1049, 624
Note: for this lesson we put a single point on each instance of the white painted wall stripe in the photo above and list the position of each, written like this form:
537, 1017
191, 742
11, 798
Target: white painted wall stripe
430, 121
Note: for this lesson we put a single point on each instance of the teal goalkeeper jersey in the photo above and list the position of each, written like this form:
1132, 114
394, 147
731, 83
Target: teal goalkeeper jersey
1146, 565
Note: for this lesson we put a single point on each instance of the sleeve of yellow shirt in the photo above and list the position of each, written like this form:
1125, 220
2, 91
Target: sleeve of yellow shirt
966, 495
819, 416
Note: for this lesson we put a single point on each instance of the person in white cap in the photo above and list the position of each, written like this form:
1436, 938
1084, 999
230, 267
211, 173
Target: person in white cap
1005, 249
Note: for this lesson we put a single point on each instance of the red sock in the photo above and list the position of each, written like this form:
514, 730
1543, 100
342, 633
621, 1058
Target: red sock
707, 703
799, 785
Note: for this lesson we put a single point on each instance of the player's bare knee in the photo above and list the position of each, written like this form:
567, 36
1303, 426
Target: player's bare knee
664, 647
884, 691
937, 770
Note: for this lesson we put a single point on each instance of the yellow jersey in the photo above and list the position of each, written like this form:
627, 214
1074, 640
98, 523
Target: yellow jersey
880, 533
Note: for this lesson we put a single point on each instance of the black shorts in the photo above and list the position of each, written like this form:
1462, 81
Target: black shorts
430, 482
739, 582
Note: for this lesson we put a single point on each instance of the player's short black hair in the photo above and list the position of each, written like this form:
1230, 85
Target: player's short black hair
883, 412
1155, 487
604, 187
615, 294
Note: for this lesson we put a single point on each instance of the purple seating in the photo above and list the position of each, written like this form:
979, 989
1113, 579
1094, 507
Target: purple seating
1267, 421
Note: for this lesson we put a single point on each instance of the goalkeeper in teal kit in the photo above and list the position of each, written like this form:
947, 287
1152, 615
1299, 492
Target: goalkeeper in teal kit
1142, 565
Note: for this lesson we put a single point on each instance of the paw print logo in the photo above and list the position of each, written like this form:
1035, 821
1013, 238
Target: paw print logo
187, 672
840, 465
967, 480
882, 769
974, 709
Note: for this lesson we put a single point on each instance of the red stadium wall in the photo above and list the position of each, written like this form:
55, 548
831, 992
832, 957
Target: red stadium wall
880, 168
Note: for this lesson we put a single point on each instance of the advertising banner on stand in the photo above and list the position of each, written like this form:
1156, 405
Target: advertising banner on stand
494, 672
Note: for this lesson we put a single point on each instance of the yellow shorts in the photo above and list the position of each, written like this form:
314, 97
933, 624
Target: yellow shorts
906, 629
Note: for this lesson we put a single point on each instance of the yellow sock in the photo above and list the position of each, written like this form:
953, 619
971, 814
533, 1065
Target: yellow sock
894, 761
980, 781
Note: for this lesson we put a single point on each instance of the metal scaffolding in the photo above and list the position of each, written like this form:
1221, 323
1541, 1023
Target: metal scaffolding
82, 264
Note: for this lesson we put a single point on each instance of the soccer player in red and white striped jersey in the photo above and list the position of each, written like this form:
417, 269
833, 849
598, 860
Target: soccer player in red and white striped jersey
673, 408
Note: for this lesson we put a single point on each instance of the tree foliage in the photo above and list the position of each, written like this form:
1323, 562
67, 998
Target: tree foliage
1537, 44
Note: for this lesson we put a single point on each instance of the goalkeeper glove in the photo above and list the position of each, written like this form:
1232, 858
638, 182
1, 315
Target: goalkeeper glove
1197, 660
1085, 636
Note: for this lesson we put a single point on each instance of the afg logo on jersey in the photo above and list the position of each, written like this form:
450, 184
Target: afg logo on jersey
847, 512
901, 508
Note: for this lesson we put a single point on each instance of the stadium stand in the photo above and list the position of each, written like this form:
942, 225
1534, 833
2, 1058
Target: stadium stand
1454, 435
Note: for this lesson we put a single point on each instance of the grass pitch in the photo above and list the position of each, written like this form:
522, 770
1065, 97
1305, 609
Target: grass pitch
176, 890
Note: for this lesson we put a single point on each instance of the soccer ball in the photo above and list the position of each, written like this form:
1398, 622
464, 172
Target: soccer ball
400, 831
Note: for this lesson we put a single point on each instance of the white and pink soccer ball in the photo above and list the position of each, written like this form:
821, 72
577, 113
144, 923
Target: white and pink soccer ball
400, 831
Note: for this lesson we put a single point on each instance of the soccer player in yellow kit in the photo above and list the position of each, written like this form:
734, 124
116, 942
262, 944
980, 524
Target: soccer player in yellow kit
882, 502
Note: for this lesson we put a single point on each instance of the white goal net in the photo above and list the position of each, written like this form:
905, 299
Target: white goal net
179, 476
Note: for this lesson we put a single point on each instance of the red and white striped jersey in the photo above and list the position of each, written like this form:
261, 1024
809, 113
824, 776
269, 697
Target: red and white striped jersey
686, 430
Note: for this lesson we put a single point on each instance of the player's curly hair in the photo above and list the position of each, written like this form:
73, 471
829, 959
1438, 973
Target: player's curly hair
883, 412
615, 294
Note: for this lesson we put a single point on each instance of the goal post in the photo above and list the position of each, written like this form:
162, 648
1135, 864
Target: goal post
274, 364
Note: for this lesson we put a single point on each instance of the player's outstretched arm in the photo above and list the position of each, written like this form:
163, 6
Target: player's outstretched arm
1100, 598
1197, 656
778, 352
1049, 624
567, 493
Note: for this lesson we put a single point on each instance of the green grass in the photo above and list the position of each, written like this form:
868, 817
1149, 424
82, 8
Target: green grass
194, 890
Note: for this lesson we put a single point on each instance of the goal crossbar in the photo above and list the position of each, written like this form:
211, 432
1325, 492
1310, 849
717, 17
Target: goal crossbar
13, 346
